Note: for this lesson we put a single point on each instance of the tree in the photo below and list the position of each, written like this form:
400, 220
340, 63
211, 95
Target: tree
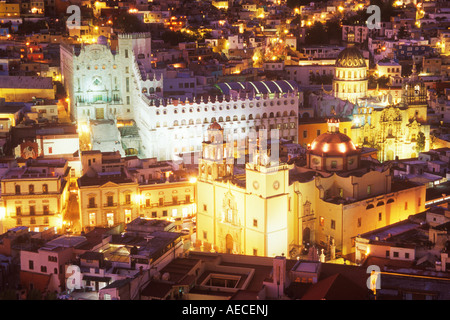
34, 294
316, 34
8, 294
420, 142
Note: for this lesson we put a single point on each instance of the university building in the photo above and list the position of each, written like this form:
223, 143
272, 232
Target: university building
113, 91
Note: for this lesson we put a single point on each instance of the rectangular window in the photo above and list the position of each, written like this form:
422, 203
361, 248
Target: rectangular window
32, 210
43, 269
255, 222
161, 201
18, 211
91, 202
255, 252
318, 132
406, 205
369, 189
128, 99
395, 254
50, 150
126, 53
419, 201
17, 189
406, 255
109, 200
387, 253
45, 210
147, 202
164, 213
333, 224
154, 214
380, 216
359, 222
188, 198
127, 84
305, 134
127, 198
205, 208
333, 164
31, 264
31, 189
205, 235
321, 221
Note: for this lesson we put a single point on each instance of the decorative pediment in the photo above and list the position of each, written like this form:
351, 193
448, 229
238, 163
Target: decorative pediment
109, 184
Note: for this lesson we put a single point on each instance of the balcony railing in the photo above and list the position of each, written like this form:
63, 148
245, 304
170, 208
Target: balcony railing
110, 204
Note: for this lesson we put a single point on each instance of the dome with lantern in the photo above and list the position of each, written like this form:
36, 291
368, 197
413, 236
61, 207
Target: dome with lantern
333, 151
351, 58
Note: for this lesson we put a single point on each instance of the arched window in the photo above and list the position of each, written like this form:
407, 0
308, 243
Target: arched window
390, 201
370, 206
243, 117
175, 123
380, 203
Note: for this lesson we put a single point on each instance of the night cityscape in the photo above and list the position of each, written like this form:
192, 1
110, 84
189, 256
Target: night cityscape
238, 151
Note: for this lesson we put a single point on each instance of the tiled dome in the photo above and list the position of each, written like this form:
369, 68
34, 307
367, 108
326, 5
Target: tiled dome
351, 58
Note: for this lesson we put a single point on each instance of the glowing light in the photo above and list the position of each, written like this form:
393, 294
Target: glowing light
326, 147
193, 180
138, 198
340, 9
342, 148
2, 213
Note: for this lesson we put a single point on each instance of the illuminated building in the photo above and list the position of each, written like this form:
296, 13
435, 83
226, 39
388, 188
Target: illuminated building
25, 88
123, 86
351, 79
395, 129
115, 189
36, 195
275, 208
310, 128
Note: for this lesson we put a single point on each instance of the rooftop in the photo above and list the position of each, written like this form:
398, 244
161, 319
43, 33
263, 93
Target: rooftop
26, 82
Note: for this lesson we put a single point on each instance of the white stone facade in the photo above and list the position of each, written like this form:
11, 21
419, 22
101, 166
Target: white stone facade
121, 85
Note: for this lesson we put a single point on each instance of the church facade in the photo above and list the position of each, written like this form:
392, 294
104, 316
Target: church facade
275, 208
397, 131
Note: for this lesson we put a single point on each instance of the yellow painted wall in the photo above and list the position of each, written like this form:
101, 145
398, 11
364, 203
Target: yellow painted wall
311, 129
